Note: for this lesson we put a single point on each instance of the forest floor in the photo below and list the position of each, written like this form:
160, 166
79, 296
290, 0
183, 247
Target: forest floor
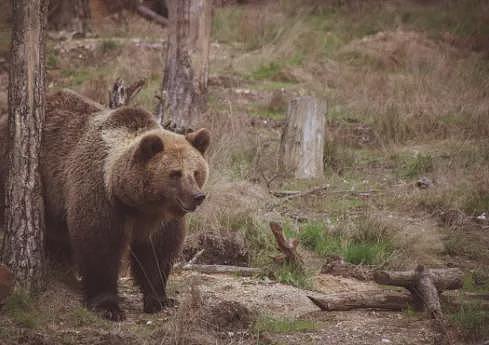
407, 89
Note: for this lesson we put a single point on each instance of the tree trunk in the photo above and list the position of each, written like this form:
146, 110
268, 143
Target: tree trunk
302, 143
23, 246
184, 87
70, 15
200, 38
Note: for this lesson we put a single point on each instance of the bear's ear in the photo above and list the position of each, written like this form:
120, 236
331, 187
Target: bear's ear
148, 147
200, 139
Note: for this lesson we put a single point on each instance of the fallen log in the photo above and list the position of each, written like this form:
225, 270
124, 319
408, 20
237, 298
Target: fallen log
216, 269
425, 286
379, 300
443, 279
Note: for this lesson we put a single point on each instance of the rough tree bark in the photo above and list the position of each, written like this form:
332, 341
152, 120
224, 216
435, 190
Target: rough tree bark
70, 15
302, 143
184, 87
23, 246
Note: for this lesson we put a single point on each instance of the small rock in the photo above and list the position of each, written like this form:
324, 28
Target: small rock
386, 341
482, 217
424, 183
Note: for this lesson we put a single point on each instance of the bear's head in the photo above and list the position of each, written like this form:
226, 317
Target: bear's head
162, 173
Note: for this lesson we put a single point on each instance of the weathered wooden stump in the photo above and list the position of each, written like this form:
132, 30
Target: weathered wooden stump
302, 142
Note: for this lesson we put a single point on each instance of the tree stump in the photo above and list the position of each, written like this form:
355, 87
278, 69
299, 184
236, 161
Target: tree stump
302, 142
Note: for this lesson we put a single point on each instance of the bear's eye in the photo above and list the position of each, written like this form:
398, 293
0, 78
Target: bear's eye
175, 174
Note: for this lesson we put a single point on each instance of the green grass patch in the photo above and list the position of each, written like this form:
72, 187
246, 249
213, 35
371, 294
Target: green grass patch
412, 166
83, 317
270, 70
283, 325
315, 237
108, 46
292, 275
265, 112
476, 281
368, 245
472, 321
365, 253
248, 27
52, 60
20, 308
78, 76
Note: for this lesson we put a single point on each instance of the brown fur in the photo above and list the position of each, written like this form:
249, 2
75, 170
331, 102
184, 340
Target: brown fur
113, 181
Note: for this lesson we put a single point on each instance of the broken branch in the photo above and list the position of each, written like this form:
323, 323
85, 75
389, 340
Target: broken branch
287, 246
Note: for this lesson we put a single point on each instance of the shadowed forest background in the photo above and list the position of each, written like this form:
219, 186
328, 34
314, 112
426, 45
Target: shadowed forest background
406, 161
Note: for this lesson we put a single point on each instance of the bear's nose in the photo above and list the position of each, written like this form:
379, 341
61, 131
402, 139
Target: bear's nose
199, 198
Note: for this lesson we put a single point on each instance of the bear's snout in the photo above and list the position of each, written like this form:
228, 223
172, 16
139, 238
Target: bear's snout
198, 198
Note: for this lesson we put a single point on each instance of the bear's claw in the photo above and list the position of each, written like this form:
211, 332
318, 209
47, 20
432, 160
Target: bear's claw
153, 305
108, 308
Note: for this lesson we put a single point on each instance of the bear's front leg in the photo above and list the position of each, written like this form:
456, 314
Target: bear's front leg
99, 265
152, 260
98, 245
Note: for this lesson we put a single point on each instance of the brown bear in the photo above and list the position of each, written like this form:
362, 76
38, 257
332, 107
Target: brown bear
115, 180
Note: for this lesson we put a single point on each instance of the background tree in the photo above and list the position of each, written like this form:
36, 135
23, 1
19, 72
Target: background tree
184, 87
23, 245
70, 15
